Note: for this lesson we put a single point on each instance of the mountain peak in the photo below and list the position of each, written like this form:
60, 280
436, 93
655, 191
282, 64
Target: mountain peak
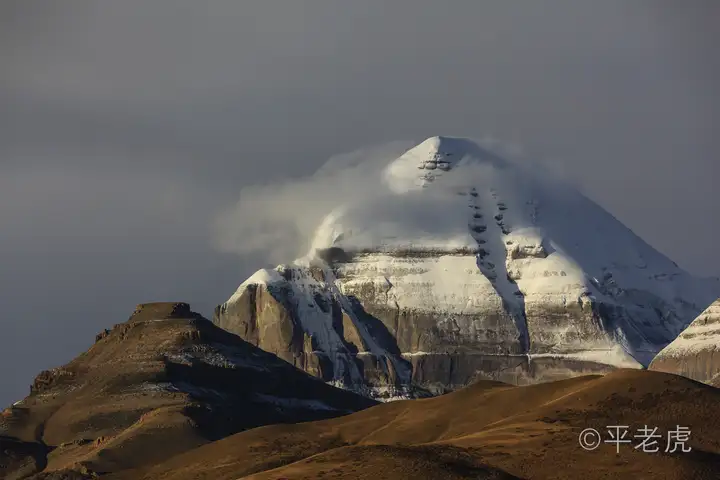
425, 162
455, 255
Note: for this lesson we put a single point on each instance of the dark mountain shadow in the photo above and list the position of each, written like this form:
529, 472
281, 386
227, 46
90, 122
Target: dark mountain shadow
384, 338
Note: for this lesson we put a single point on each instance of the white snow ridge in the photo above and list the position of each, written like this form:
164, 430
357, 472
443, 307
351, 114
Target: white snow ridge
703, 334
467, 266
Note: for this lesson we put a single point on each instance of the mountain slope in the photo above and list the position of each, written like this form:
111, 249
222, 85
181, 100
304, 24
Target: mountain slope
165, 381
695, 353
460, 265
487, 430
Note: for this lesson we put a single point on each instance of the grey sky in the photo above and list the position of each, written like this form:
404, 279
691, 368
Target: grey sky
125, 127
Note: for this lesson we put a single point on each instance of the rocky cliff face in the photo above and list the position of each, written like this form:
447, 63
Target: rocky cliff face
696, 351
295, 314
462, 266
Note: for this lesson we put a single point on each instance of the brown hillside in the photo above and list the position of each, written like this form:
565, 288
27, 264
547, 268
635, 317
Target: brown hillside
488, 430
164, 382
168, 395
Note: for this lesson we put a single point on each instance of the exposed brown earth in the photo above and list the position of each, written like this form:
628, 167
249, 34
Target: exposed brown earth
487, 430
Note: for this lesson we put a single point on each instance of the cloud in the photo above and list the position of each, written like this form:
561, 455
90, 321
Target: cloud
281, 221
278, 220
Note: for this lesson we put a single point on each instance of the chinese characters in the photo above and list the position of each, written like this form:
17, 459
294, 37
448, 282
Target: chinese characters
646, 439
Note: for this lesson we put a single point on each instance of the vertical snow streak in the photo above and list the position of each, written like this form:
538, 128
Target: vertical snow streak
491, 260
367, 338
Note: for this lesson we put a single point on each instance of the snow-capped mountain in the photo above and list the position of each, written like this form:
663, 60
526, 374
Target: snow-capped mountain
695, 353
462, 265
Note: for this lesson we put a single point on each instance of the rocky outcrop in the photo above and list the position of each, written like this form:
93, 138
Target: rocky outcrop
266, 315
47, 379
695, 353
162, 311
266, 322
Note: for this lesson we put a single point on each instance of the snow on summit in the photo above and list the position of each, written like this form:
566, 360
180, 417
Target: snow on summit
455, 251
421, 165
449, 194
